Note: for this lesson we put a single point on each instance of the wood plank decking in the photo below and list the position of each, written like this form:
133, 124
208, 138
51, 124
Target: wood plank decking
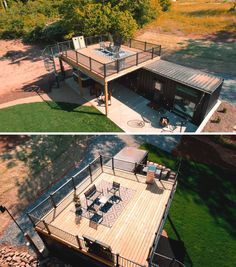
133, 232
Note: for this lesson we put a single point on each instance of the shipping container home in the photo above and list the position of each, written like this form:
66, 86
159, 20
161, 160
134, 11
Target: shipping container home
188, 92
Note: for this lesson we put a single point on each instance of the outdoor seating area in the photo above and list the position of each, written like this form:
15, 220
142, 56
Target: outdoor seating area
132, 113
117, 196
104, 204
100, 58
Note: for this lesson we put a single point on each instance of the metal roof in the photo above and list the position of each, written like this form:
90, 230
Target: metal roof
191, 77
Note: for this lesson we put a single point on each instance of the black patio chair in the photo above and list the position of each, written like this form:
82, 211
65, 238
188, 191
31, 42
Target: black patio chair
115, 189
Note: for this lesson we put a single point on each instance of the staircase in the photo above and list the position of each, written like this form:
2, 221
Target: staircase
48, 55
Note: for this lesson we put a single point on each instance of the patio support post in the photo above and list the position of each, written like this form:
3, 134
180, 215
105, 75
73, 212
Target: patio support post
62, 69
106, 96
80, 84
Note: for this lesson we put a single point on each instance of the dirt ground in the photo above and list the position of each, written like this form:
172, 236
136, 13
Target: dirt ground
21, 67
10, 172
19, 188
227, 122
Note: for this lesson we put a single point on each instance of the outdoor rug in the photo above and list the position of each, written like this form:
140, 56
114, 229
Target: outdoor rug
112, 209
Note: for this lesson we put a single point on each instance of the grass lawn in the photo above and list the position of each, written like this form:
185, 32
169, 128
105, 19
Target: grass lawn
54, 117
203, 210
198, 17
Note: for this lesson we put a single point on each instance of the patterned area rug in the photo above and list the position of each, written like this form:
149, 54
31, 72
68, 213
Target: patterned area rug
110, 212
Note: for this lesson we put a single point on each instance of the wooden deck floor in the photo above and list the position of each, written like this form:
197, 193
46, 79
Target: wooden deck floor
132, 234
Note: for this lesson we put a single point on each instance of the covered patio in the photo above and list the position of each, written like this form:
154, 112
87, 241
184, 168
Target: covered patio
131, 112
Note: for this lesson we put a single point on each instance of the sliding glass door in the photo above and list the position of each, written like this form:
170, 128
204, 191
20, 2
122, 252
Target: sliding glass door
185, 101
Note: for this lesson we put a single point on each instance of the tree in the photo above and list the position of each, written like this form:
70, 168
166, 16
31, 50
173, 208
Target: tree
165, 5
121, 18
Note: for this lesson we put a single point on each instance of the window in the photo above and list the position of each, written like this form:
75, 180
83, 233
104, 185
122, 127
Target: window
186, 100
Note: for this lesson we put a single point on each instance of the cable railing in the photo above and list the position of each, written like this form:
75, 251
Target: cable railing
161, 225
79, 243
148, 51
163, 260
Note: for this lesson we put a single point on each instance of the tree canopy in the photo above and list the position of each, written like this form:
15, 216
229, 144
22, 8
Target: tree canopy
52, 20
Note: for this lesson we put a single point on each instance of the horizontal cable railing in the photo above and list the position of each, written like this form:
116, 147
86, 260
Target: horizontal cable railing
122, 261
78, 242
163, 260
148, 52
161, 225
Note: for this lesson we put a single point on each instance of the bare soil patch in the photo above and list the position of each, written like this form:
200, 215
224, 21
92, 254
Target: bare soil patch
19, 186
223, 120
21, 67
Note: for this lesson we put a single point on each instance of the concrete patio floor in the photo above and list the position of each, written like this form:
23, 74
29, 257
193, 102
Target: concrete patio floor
129, 110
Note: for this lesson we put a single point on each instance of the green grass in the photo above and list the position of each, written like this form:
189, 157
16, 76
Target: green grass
203, 210
54, 117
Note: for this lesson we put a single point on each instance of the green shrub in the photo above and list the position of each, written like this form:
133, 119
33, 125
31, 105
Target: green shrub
165, 5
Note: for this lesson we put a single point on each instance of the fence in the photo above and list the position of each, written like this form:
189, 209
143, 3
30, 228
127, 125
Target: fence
161, 225
57, 201
162, 260
78, 243
149, 51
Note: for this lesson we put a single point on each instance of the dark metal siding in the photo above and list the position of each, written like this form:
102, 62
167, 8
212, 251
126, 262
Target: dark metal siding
190, 77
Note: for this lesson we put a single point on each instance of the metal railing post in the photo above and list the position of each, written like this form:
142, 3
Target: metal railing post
152, 52
90, 64
117, 260
137, 59
77, 58
112, 163
79, 243
53, 202
46, 226
118, 65
73, 182
30, 218
90, 173
135, 168
105, 70
145, 46
101, 162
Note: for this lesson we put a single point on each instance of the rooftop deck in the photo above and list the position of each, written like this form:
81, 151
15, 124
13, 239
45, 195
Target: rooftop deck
133, 232
103, 67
